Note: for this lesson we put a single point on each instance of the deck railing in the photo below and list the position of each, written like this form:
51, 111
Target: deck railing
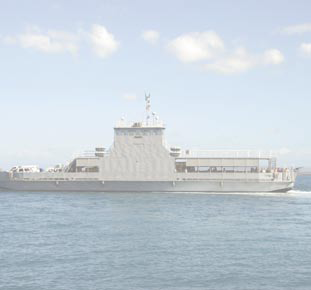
56, 176
227, 154
130, 124
90, 154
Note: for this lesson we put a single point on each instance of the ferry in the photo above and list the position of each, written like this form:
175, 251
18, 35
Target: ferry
140, 161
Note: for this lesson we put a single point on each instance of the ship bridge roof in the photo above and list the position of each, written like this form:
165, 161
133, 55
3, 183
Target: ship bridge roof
154, 124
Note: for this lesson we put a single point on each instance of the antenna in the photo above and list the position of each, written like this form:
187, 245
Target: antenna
148, 106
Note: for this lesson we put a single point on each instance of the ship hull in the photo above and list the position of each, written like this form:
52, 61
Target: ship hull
147, 186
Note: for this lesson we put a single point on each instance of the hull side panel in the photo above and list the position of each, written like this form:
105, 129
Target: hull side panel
148, 186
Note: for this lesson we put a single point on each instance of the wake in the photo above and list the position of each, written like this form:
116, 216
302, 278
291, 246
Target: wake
299, 193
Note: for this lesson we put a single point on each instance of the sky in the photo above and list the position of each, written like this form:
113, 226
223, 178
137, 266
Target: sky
221, 74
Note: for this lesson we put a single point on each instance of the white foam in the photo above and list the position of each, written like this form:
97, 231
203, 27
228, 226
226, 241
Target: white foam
299, 193
291, 193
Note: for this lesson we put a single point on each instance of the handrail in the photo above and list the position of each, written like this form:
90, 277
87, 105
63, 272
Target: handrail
227, 154
137, 125
90, 154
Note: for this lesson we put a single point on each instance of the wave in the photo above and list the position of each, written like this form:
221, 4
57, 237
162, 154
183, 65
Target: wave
291, 193
299, 193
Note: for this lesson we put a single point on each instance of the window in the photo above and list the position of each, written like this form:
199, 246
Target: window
203, 169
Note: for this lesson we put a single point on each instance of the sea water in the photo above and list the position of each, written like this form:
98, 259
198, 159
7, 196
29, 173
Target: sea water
145, 241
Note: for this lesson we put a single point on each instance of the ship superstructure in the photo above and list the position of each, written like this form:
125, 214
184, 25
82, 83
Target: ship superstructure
139, 160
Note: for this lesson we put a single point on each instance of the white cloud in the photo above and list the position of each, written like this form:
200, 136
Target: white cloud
129, 97
208, 49
241, 61
51, 41
273, 56
297, 29
151, 36
305, 48
104, 43
57, 41
196, 46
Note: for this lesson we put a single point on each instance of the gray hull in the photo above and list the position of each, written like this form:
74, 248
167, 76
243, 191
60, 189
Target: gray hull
147, 186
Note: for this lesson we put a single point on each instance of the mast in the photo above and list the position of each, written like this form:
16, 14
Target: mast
148, 107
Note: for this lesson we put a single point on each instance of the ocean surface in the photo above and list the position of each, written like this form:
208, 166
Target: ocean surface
152, 241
